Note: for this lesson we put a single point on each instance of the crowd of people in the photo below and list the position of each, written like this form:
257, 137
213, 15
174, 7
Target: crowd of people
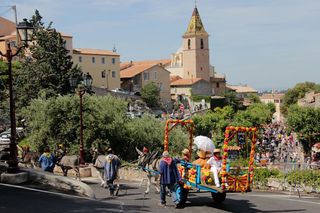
277, 145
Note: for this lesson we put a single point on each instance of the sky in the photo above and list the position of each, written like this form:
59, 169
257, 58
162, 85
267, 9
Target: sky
266, 44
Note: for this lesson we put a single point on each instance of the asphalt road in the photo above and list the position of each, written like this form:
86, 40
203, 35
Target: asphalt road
132, 199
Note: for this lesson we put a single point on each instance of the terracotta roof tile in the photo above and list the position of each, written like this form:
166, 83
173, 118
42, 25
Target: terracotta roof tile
134, 70
94, 52
7, 27
8, 37
185, 81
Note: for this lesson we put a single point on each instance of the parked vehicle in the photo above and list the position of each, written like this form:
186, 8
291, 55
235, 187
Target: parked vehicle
119, 90
5, 136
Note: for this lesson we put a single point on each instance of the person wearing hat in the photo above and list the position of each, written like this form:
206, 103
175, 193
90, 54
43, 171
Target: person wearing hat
169, 175
111, 167
215, 163
186, 155
145, 150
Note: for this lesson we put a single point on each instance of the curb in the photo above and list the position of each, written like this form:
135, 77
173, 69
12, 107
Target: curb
59, 182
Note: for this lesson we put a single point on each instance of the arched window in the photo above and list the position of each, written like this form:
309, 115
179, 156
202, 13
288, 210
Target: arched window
189, 44
201, 43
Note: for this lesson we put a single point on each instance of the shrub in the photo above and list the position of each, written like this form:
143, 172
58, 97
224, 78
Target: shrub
261, 175
304, 177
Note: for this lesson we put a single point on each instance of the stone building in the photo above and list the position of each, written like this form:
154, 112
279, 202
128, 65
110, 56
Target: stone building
135, 75
103, 66
277, 100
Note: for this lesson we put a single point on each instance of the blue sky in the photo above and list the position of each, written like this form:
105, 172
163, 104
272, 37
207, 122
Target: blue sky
267, 44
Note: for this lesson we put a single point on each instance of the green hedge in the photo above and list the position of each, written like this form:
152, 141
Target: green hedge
261, 175
295, 177
304, 177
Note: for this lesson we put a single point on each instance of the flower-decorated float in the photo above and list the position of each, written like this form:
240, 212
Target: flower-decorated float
239, 143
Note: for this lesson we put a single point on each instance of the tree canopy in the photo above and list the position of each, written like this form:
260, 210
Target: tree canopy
213, 123
55, 121
232, 100
255, 115
46, 65
150, 93
305, 121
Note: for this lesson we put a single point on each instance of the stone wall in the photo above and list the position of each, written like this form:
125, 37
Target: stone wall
278, 184
132, 174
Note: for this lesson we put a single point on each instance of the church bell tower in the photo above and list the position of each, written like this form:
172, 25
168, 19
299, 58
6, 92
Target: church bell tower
196, 62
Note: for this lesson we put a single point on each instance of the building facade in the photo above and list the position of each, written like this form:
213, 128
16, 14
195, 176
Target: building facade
135, 75
277, 100
103, 66
189, 87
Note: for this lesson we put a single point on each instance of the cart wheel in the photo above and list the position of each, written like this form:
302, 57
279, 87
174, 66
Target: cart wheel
218, 197
181, 194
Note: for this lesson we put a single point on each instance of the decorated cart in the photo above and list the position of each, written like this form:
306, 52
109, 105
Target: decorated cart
239, 144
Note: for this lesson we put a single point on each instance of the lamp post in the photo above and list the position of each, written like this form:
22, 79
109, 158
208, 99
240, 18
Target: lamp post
25, 31
81, 90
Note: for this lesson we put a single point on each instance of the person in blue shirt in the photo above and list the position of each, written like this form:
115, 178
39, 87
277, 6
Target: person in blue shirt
47, 160
169, 176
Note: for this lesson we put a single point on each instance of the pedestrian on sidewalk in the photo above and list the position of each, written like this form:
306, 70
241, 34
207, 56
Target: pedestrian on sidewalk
111, 167
169, 176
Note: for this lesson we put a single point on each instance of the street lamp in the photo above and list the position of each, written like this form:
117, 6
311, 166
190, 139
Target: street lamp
25, 31
81, 90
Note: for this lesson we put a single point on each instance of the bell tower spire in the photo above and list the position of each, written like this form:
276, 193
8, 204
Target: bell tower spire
196, 49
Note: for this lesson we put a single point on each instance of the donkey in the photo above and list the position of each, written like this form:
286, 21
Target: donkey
67, 162
99, 165
149, 163
27, 157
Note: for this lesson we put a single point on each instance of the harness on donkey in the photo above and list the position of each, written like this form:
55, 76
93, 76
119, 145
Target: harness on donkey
150, 160
149, 163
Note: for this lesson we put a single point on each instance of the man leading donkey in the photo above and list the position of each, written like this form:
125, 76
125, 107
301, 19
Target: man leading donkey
111, 167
